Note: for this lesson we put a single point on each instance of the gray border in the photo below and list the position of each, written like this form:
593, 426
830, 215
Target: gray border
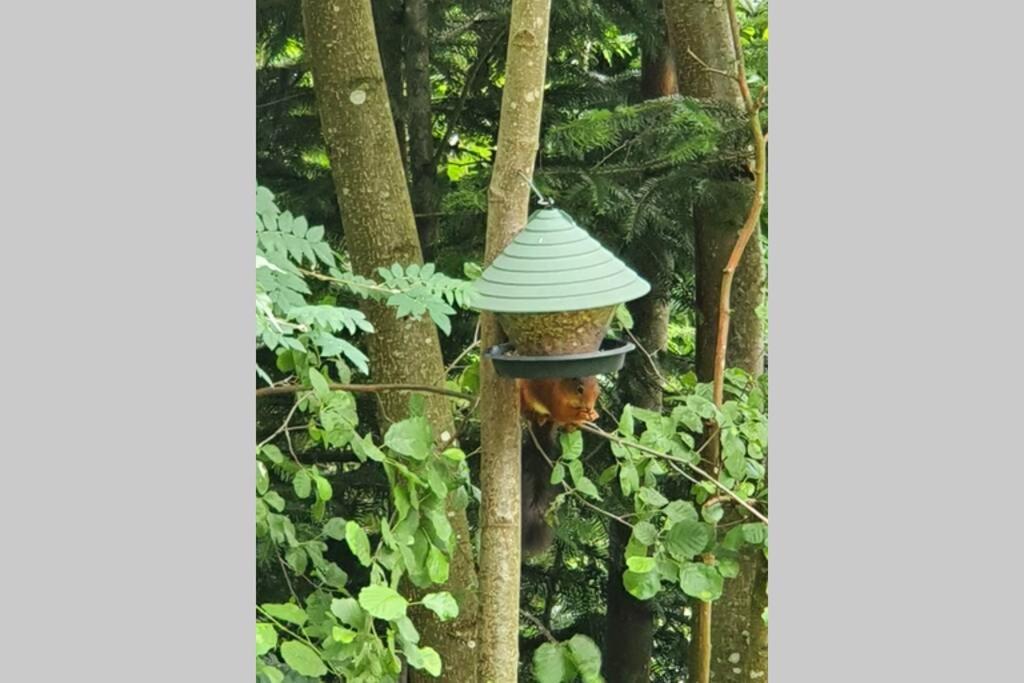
895, 338
128, 179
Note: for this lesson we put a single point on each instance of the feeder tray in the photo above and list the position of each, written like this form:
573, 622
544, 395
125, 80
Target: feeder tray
609, 358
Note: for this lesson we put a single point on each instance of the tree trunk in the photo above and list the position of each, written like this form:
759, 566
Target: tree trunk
629, 626
387, 21
379, 229
508, 204
738, 635
421, 127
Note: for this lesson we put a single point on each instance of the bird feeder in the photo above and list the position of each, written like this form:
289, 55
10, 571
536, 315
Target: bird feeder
554, 290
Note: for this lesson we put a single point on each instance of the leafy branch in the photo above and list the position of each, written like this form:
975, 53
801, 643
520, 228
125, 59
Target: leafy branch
281, 389
594, 429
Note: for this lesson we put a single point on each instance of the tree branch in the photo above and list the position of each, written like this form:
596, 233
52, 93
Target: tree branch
594, 429
364, 389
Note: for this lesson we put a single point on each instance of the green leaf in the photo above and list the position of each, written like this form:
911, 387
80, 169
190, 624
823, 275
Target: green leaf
288, 611
652, 497
735, 464
679, 510
641, 564
471, 270
587, 657
364, 447
358, 542
454, 454
274, 500
755, 533
558, 473
551, 664
437, 565
687, 538
382, 602
343, 635
271, 674
412, 437
297, 560
572, 445
272, 453
688, 418
713, 514
266, 638
437, 483
440, 317
348, 611
324, 491
428, 660
335, 528
459, 499
302, 658
262, 479
626, 425
701, 581
323, 252
334, 575
623, 316
585, 486
629, 478
442, 604
641, 586
319, 384
607, 475
728, 567
265, 202
645, 532
302, 483
733, 538
442, 527
407, 630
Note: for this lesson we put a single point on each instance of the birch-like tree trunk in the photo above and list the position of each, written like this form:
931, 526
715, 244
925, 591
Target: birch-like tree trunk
737, 646
366, 164
507, 208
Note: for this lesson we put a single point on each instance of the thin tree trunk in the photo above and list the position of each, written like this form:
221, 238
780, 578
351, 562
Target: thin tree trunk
379, 229
508, 204
421, 127
629, 627
387, 21
732, 647
739, 636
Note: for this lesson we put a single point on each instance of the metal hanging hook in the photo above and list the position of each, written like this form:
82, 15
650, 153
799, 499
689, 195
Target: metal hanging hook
541, 199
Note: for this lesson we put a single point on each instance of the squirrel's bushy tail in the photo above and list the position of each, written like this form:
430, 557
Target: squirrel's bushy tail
537, 489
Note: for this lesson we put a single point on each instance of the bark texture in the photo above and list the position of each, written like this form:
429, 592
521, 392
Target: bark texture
387, 19
379, 228
508, 204
423, 170
738, 635
629, 634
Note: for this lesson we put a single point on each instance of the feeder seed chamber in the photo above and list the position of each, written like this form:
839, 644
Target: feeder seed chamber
554, 290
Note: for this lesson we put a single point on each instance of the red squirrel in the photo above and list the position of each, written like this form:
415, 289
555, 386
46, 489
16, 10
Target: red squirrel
547, 404
568, 402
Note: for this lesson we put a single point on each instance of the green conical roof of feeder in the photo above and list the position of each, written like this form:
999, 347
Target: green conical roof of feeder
554, 265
